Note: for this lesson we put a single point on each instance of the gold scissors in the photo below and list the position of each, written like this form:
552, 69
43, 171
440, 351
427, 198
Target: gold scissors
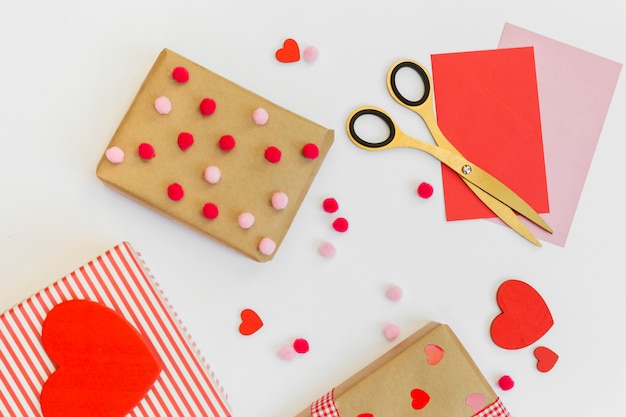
494, 194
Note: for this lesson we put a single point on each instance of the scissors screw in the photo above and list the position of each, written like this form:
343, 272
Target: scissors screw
466, 169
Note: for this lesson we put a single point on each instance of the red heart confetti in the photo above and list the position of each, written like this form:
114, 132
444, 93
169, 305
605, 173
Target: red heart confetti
104, 366
290, 52
420, 398
546, 358
250, 322
525, 316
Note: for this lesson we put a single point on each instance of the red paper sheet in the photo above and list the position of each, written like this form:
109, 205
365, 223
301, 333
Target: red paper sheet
487, 106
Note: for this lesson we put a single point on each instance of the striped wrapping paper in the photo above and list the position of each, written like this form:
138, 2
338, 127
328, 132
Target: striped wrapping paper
119, 280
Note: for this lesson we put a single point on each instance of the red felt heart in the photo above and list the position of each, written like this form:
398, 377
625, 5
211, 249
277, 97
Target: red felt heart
546, 358
250, 322
290, 52
104, 366
420, 398
525, 316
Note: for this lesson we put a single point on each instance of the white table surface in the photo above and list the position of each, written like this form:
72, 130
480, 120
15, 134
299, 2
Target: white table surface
69, 72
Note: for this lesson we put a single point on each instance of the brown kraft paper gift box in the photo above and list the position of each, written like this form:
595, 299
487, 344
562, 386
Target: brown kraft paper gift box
429, 373
167, 106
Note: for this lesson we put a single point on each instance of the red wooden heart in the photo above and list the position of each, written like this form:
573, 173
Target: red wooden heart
546, 358
525, 316
250, 322
290, 52
420, 398
104, 366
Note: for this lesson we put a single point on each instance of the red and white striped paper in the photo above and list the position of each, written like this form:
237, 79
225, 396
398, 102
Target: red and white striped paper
119, 280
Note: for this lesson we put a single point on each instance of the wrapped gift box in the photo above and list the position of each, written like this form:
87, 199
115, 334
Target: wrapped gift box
430, 373
242, 178
121, 287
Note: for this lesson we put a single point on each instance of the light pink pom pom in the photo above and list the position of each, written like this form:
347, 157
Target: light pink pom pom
279, 200
163, 105
327, 250
260, 116
287, 353
391, 332
114, 155
267, 246
212, 174
245, 220
394, 293
310, 54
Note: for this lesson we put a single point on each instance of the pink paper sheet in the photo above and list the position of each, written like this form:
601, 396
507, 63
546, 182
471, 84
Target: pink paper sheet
575, 90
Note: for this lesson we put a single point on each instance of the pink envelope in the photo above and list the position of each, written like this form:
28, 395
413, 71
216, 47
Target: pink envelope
575, 90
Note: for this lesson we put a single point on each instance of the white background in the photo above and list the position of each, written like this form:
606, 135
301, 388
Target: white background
69, 72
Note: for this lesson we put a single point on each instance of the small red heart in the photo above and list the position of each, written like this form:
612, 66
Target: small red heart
104, 366
434, 354
525, 316
250, 322
546, 358
290, 52
420, 398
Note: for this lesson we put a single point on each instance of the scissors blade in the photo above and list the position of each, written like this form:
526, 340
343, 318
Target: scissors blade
504, 212
490, 185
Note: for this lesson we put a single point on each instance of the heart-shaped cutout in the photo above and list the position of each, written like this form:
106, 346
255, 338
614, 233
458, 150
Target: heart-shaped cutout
290, 52
525, 316
434, 354
546, 358
250, 322
476, 401
104, 366
419, 398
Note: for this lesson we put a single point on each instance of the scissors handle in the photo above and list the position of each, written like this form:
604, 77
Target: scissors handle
395, 91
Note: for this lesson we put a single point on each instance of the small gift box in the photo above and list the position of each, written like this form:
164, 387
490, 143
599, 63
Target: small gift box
430, 373
104, 341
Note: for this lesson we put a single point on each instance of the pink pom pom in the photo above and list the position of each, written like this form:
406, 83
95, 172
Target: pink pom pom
267, 246
212, 174
506, 383
310, 54
207, 106
146, 151
260, 116
330, 205
175, 191
425, 190
391, 332
245, 220
394, 293
227, 142
273, 154
301, 346
287, 353
327, 250
279, 200
340, 224
114, 155
180, 74
163, 105
310, 151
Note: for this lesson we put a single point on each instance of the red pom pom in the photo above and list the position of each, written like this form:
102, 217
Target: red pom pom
425, 190
506, 383
207, 106
330, 205
180, 74
175, 191
185, 140
272, 154
210, 211
227, 142
301, 345
340, 224
311, 151
146, 151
